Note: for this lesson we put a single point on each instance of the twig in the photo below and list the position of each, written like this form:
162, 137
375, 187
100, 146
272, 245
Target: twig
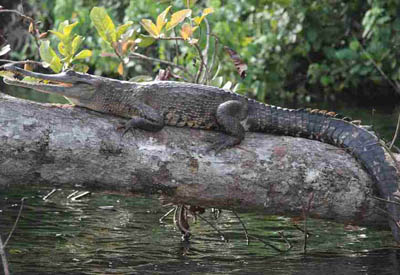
389, 215
290, 246
171, 38
268, 244
244, 227
391, 155
200, 71
223, 238
49, 194
395, 133
166, 215
77, 197
209, 71
15, 223
205, 52
20, 62
383, 200
72, 194
141, 56
4, 258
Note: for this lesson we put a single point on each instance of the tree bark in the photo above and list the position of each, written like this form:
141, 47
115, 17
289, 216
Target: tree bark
61, 144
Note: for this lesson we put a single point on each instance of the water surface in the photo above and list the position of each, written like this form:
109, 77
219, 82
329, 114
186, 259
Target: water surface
118, 234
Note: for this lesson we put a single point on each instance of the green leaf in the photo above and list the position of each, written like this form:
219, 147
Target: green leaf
81, 68
103, 23
62, 25
76, 43
56, 64
346, 54
68, 28
49, 56
326, 80
83, 54
354, 45
61, 49
177, 18
144, 41
123, 28
60, 35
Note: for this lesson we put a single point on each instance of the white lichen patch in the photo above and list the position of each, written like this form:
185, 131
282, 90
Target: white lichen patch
311, 176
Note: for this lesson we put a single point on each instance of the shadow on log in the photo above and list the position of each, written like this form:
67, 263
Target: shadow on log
61, 144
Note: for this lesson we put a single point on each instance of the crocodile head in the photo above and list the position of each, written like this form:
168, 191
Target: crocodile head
77, 87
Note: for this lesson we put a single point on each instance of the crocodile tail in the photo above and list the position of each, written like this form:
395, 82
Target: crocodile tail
361, 143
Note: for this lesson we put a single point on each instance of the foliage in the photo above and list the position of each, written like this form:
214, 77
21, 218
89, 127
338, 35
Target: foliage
293, 48
67, 47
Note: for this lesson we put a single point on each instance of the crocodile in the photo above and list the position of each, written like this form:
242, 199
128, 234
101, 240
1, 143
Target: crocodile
152, 105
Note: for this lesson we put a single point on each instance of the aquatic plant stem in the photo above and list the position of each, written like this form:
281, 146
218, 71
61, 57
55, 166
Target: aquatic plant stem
4, 258
15, 223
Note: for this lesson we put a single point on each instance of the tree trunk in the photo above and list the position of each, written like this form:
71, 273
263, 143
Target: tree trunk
61, 144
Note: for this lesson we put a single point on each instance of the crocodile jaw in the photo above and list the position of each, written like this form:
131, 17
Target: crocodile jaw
76, 86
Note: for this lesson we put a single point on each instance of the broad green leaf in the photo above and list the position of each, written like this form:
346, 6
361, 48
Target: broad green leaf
149, 26
123, 28
76, 43
177, 18
199, 19
60, 35
55, 64
62, 25
61, 48
161, 19
144, 41
83, 54
67, 29
46, 52
103, 23
49, 56
207, 11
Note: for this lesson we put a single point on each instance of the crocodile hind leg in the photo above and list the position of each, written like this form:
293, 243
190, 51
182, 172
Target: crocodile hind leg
229, 115
149, 119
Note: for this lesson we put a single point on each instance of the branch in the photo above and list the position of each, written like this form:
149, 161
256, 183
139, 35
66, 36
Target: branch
62, 145
144, 57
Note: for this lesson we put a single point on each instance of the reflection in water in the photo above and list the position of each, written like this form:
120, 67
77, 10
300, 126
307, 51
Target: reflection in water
115, 234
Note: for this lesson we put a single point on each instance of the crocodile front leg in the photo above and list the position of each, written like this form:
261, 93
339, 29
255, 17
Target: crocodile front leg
148, 119
229, 116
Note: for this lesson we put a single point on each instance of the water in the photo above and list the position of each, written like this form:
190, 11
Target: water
118, 234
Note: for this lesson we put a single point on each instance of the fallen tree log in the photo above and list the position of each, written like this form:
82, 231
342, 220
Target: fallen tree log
61, 144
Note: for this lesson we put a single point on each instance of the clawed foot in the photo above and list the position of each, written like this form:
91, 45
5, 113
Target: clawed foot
126, 127
223, 143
